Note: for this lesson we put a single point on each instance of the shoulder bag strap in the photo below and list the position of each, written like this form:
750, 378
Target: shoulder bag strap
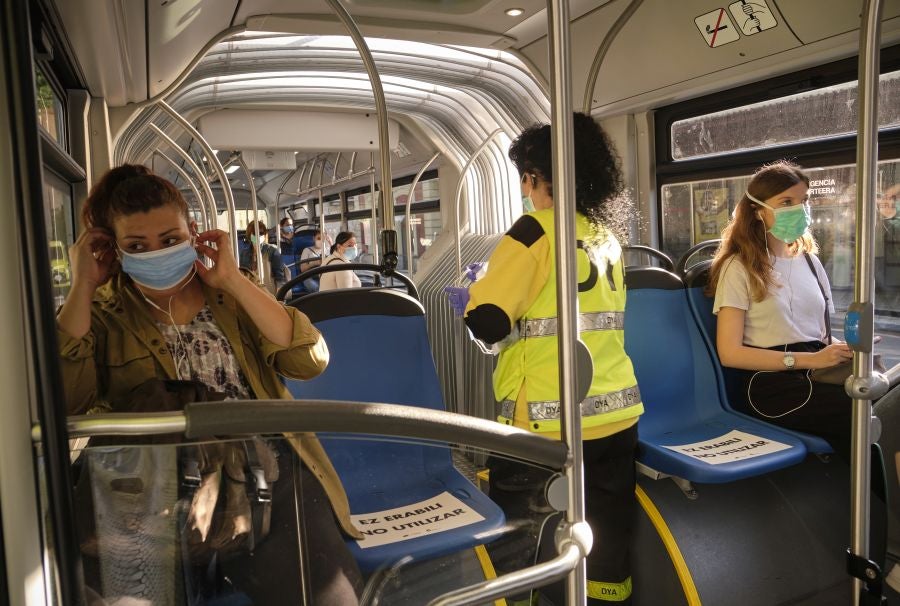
812, 268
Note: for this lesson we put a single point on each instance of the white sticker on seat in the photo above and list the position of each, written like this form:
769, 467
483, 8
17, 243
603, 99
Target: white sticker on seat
437, 514
733, 446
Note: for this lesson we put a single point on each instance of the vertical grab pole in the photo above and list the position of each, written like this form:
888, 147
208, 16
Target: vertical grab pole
863, 387
322, 220
409, 197
374, 210
322, 206
566, 275
387, 197
217, 166
254, 205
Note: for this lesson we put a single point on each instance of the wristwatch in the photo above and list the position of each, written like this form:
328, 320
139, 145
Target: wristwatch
788, 360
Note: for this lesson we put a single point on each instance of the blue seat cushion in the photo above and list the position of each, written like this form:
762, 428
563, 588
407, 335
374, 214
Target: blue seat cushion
378, 357
680, 392
728, 379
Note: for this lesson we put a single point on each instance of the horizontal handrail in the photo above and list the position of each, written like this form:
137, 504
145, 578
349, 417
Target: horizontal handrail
572, 549
327, 269
251, 417
892, 375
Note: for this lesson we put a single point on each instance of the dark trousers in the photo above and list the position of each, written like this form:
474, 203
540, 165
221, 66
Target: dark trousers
272, 574
826, 413
610, 507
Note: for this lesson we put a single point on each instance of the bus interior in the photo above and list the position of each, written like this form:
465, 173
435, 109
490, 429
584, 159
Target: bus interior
258, 110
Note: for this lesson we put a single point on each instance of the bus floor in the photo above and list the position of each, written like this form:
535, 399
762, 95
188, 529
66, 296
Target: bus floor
776, 539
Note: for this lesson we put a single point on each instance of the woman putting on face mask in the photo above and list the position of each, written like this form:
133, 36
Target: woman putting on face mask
143, 307
772, 298
343, 251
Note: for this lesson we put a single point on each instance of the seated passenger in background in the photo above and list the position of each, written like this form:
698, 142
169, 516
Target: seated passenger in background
343, 251
143, 307
310, 258
773, 301
272, 274
286, 225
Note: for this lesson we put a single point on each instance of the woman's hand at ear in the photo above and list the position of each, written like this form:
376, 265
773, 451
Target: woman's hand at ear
92, 256
224, 273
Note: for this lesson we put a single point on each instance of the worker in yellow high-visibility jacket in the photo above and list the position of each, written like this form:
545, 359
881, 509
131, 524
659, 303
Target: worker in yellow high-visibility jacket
518, 293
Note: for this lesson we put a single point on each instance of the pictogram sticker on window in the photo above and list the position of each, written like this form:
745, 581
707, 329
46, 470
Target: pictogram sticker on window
717, 28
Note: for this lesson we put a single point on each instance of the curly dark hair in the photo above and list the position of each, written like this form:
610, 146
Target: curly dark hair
598, 177
128, 189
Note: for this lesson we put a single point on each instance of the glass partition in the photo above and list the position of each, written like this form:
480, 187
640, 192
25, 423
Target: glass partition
243, 521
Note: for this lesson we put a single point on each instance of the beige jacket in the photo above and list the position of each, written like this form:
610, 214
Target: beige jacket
124, 348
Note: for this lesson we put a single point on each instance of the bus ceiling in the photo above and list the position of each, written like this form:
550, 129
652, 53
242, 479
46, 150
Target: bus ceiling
177, 34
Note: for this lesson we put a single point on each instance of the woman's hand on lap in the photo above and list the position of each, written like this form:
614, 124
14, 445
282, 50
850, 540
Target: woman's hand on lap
832, 355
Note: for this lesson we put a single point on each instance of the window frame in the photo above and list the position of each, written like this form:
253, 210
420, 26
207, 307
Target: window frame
837, 150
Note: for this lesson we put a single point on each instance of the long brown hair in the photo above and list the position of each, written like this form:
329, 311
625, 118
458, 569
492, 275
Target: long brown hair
744, 237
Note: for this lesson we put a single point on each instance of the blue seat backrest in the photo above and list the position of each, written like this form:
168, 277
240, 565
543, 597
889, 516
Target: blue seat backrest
680, 392
303, 238
674, 374
380, 352
696, 280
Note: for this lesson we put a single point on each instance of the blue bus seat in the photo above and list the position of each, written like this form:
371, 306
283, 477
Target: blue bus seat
696, 278
380, 353
680, 393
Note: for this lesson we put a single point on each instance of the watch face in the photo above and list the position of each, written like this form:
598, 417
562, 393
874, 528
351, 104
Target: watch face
789, 360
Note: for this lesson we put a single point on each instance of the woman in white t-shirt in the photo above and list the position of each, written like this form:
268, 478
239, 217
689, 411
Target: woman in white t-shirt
343, 251
772, 298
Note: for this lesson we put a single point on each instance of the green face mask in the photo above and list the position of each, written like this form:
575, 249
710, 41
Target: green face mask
790, 223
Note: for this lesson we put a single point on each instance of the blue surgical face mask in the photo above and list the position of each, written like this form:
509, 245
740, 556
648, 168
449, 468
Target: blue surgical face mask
350, 253
527, 204
288, 229
160, 269
791, 222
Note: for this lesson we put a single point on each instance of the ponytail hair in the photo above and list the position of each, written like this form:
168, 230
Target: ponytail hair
341, 238
598, 174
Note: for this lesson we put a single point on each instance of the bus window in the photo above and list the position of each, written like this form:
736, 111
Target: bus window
824, 113
50, 112
60, 234
698, 210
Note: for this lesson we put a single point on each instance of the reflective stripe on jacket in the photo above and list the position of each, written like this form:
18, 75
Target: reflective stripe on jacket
526, 381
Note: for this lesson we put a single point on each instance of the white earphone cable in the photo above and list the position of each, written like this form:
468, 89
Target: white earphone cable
179, 360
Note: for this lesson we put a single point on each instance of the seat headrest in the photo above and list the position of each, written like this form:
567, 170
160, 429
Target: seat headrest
698, 274
372, 301
651, 277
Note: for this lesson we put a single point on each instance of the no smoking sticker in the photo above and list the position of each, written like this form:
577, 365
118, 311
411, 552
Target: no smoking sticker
717, 28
